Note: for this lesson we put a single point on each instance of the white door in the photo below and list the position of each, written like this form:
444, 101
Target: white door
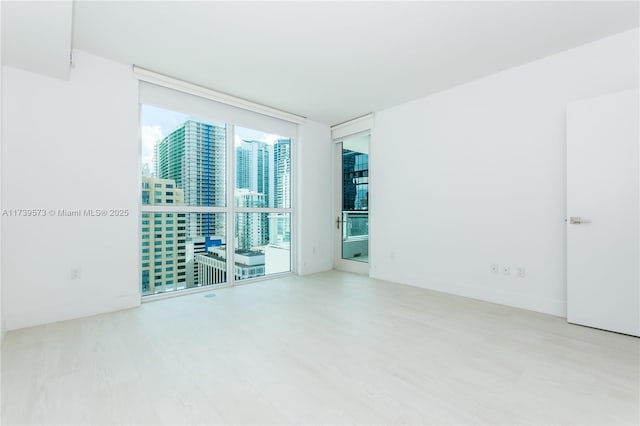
603, 224
351, 220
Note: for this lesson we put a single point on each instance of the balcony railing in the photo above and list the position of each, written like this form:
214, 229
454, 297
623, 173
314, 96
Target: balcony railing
355, 225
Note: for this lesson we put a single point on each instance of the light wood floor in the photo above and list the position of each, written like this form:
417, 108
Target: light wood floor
331, 348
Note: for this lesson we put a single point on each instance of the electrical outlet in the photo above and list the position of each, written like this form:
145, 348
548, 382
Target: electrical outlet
494, 268
521, 272
506, 270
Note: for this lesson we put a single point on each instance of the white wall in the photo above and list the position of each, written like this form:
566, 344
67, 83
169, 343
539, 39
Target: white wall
314, 192
2, 322
70, 145
476, 175
75, 145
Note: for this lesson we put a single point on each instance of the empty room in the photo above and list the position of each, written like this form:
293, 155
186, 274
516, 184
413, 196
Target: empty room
331, 213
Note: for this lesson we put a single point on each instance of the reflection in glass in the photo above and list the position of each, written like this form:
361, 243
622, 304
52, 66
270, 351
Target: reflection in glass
355, 199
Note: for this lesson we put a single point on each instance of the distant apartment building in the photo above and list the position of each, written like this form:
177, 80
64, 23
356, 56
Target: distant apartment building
163, 238
181, 250
212, 266
197, 246
280, 223
355, 180
254, 169
282, 173
254, 243
194, 156
251, 228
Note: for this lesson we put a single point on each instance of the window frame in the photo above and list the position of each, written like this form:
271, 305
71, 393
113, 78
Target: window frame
229, 210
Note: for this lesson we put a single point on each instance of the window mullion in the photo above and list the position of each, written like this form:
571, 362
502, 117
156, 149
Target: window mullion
231, 219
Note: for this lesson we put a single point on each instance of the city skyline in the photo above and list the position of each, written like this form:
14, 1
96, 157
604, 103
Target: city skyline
157, 123
188, 168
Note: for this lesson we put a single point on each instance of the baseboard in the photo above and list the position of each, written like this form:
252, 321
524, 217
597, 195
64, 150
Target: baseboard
521, 301
70, 311
314, 269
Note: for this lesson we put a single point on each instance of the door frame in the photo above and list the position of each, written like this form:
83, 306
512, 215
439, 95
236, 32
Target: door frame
339, 263
602, 249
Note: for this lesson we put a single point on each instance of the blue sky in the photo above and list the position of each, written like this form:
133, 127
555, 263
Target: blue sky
156, 123
165, 119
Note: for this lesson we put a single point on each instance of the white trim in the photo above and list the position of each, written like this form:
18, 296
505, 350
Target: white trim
353, 135
203, 92
351, 127
184, 292
212, 287
261, 278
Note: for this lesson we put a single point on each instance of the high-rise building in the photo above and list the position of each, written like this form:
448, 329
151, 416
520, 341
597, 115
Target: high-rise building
250, 227
254, 173
213, 265
194, 156
163, 238
278, 252
243, 165
263, 179
210, 262
282, 173
254, 168
251, 236
280, 223
355, 180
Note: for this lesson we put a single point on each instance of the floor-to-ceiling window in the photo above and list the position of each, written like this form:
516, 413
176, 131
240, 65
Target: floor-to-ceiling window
262, 203
216, 196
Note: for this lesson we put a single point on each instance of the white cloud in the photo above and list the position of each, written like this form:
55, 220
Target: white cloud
151, 135
254, 135
269, 138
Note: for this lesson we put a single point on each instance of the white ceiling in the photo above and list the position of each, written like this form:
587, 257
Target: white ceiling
333, 61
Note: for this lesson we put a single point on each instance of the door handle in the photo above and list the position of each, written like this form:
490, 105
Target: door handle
338, 222
577, 220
